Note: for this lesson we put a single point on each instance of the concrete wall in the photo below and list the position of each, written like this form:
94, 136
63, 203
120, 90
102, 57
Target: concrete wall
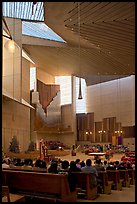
44, 77
15, 121
26, 80
113, 99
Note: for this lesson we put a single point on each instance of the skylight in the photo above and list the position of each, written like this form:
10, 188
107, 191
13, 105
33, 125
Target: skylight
29, 12
40, 30
24, 10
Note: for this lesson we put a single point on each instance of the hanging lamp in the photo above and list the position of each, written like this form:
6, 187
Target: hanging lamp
80, 90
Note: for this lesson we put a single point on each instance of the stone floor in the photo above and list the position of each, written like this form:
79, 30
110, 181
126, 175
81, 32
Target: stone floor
126, 195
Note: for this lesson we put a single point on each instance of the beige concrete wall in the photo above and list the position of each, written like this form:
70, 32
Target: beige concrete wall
11, 83
26, 80
44, 77
113, 99
15, 121
66, 116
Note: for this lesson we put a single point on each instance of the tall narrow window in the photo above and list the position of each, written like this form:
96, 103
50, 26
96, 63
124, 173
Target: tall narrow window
32, 78
65, 89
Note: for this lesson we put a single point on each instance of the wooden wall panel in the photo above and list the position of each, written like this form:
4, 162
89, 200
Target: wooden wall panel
129, 131
112, 123
85, 127
98, 127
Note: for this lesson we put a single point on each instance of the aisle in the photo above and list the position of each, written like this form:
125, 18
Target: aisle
126, 195
83, 156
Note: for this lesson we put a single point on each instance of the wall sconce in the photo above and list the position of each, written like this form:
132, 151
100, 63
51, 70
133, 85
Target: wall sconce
88, 133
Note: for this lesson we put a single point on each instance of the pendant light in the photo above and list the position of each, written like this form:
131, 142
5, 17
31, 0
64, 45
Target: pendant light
80, 91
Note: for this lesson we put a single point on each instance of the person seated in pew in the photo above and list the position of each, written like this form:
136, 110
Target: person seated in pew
82, 163
73, 167
90, 169
116, 164
122, 166
99, 166
129, 166
65, 167
59, 163
40, 164
5, 164
105, 164
28, 163
18, 162
78, 163
71, 177
110, 166
53, 168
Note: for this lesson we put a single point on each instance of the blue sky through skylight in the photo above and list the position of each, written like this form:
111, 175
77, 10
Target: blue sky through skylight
24, 10
27, 11
40, 30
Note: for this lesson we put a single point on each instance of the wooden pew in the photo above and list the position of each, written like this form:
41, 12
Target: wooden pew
107, 185
20, 168
131, 173
124, 175
39, 185
113, 175
8, 197
85, 183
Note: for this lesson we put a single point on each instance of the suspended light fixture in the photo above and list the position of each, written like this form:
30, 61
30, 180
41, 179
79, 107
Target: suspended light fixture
80, 91
10, 45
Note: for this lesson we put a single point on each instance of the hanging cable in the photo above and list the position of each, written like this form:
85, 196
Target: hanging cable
80, 91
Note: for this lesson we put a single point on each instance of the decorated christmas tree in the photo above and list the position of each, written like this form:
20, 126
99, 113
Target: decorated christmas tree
14, 145
32, 146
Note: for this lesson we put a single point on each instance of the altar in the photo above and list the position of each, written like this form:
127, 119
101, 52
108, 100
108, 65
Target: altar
97, 155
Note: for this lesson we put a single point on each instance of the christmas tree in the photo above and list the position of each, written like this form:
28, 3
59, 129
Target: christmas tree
14, 145
32, 146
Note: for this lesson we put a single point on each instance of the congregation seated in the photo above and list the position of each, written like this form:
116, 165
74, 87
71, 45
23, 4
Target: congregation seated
90, 169
18, 162
73, 167
78, 163
82, 163
28, 163
5, 163
105, 164
53, 168
65, 167
40, 163
129, 166
122, 166
116, 164
110, 166
99, 166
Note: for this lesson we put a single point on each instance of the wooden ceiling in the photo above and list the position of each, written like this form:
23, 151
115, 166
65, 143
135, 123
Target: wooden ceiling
106, 35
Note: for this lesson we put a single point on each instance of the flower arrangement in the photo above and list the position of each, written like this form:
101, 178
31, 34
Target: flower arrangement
109, 154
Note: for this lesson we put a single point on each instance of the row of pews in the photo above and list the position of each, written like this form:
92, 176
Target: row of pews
55, 187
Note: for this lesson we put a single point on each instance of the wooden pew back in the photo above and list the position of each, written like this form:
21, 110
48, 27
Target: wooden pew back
125, 176
39, 183
86, 181
107, 185
131, 173
104, 177
113, 175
